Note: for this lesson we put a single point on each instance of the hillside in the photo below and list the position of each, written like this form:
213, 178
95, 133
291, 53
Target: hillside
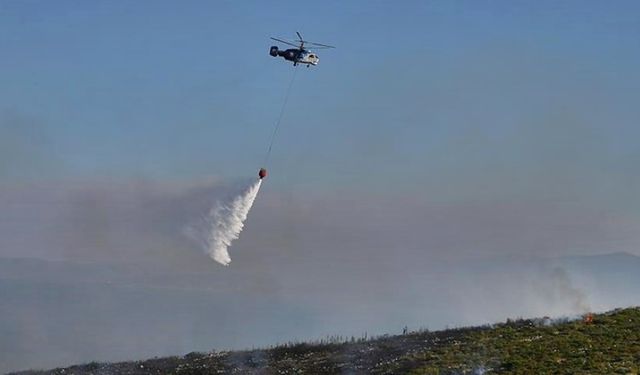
609, 344
56, 313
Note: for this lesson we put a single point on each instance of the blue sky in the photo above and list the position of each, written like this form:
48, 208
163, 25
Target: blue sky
168, 91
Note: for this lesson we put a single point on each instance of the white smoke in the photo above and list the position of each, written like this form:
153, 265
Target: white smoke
224, 222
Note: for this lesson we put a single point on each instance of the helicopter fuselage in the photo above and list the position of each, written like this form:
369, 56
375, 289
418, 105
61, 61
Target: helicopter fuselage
296, 55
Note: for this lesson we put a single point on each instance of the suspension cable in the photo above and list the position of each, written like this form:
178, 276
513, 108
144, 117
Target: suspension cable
277, 124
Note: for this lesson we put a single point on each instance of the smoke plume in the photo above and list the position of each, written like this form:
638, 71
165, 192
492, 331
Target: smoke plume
224, 222
563, 289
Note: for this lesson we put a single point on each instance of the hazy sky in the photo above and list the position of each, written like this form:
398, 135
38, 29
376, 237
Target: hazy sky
436, 130
468, 104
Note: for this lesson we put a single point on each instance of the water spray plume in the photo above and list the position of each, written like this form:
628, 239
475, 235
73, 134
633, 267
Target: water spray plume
224, 222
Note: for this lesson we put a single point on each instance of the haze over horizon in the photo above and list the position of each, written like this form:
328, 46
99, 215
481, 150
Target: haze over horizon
436, 136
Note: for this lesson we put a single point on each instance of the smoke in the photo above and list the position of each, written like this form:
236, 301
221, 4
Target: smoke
563, 289
223, 223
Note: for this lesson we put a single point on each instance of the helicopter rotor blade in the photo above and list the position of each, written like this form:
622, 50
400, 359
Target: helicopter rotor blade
285, 42
320, 45
299, 36
317, 48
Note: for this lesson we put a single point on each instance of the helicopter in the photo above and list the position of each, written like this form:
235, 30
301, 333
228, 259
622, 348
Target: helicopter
298, 55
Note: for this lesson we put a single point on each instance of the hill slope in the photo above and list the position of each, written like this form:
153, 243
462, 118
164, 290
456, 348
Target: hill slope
610, 344
55, 313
